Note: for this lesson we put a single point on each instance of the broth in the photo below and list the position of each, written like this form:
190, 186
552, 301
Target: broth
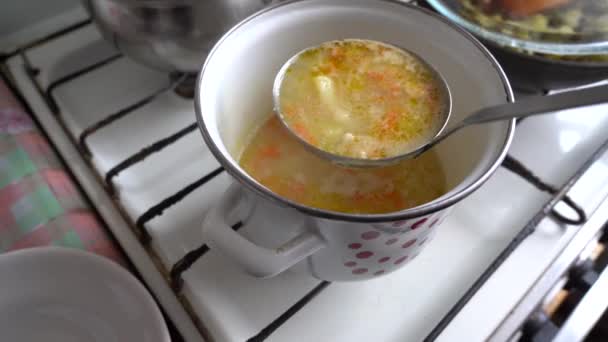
280, 162
362, 99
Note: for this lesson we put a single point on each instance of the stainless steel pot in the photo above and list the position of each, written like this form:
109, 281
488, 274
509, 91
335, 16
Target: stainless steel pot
169, 35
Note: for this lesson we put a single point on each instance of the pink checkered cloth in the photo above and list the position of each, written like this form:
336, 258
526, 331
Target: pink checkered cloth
39, 203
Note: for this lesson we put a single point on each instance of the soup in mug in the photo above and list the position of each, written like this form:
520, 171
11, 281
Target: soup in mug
361, 99
280, 162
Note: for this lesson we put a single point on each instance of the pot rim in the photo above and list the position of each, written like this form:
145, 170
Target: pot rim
426, 209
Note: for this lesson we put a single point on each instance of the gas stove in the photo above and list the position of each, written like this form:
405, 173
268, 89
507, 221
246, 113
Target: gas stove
128, 135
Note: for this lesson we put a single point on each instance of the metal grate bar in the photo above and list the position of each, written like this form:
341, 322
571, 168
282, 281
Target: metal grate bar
145, 153
74, 75
184, 264
518, 168
123, 112
158, 209
526, 231
277, 323
44, 39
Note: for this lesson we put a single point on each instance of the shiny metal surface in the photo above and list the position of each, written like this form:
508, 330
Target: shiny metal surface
529, 106
568, 256
168, 35
446, 110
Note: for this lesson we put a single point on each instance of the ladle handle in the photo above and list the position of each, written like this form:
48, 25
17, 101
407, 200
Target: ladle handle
534, 105
537, 105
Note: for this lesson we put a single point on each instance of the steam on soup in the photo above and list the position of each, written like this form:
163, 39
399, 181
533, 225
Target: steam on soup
280, 162
361, 99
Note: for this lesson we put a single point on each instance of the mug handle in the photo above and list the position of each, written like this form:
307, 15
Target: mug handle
257, 260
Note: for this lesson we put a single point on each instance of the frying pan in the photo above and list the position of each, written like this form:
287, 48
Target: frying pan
534, 74
530, 71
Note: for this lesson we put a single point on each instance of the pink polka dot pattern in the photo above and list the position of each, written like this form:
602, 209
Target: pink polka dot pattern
419, 223
364, 255
400, 260
360, 271
370, 235
384, 259
380, 248
399, 223
391, 241
354, 245
408, 244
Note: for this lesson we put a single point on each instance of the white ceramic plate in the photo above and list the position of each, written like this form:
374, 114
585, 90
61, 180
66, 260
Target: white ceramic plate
63, 295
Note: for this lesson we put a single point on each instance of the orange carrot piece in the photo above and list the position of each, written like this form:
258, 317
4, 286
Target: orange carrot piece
296, 190
304, 133
391, 117
529, 7
396, 199
296, 187
326, 69
289, 112
375, 75
270, 152
359, 197
336, 58
395, 90
389, 122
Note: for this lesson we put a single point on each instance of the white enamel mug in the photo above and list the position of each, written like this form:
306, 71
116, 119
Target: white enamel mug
234, 97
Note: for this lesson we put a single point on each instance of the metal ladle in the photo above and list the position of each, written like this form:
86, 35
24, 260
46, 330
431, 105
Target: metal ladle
529, 106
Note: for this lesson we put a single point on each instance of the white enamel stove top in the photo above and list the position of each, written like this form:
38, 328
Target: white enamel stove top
232, 306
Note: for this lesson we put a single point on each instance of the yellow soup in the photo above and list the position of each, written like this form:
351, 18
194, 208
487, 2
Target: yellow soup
361, 99
278, 161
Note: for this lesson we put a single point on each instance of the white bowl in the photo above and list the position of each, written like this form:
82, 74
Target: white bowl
57, 294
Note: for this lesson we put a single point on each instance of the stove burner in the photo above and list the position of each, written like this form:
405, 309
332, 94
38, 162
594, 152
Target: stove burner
186, 86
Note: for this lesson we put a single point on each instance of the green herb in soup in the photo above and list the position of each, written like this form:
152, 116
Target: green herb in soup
361, 99
278, 161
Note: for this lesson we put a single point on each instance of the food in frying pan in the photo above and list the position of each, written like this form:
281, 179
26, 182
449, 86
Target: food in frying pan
521, 8
559, 21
